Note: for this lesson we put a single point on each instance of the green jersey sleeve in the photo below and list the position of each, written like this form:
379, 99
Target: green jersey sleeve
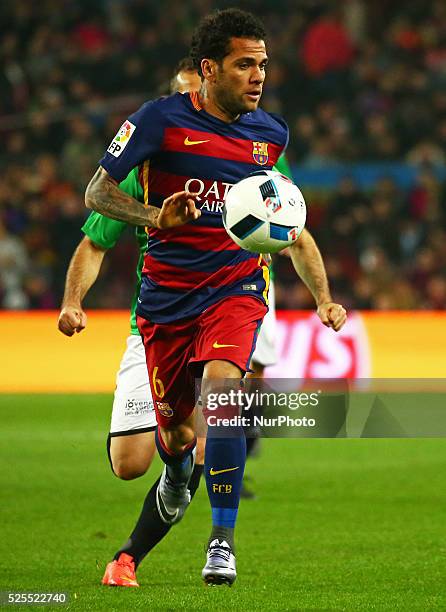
104, 231
283, 166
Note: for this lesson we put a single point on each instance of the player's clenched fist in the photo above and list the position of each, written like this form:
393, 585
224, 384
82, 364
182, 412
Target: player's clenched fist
178, 209
332, 315
72, 320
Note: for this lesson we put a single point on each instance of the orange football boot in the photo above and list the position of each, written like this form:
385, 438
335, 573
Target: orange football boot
121, 572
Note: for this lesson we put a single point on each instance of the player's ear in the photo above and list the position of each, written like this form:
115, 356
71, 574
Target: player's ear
208, 69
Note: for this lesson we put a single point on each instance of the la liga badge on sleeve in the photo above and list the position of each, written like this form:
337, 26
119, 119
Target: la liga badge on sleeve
121, 139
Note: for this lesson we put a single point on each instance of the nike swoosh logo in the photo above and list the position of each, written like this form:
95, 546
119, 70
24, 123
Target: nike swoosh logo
216, 345
127, 578
213, 472
188, 142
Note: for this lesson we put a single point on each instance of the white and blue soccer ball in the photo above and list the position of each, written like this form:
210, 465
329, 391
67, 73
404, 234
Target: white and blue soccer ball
264, 212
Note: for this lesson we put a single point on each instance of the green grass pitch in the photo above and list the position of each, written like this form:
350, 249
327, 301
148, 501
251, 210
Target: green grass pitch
338, 524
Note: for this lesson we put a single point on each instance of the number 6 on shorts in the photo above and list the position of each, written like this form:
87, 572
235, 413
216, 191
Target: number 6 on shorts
158, 386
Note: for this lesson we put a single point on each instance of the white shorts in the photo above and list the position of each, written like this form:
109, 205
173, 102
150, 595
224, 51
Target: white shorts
133, 410
265, 352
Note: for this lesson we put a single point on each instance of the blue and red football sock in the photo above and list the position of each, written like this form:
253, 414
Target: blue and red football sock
224, 466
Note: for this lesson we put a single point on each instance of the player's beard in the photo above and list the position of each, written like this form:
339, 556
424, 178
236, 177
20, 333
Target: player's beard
231, 103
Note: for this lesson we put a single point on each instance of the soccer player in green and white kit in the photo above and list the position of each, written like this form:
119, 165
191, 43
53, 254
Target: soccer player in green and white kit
131, 443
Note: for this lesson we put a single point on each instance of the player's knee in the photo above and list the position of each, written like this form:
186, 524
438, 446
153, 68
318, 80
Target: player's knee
130, 466
177, 439
128, 469
186, 434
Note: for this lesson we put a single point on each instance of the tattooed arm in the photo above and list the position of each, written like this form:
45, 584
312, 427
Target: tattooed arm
104, 196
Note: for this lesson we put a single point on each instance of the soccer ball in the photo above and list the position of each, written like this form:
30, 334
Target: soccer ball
264, 212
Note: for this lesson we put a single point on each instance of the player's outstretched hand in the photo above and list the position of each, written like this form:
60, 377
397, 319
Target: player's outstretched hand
178, 209
71, 320
332, 315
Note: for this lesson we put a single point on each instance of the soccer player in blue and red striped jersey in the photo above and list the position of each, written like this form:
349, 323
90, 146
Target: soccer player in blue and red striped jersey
202, 298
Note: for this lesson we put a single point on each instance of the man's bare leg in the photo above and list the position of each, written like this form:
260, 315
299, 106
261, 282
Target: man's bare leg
129, 461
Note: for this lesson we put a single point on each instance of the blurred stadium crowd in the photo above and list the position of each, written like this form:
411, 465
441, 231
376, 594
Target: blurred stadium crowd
365, 82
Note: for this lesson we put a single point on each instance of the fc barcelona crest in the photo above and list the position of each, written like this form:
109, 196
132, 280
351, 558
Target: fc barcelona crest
164, 409
260, 153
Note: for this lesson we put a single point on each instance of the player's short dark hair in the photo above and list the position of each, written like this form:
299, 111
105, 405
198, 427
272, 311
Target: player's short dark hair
212, 37
184, 65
